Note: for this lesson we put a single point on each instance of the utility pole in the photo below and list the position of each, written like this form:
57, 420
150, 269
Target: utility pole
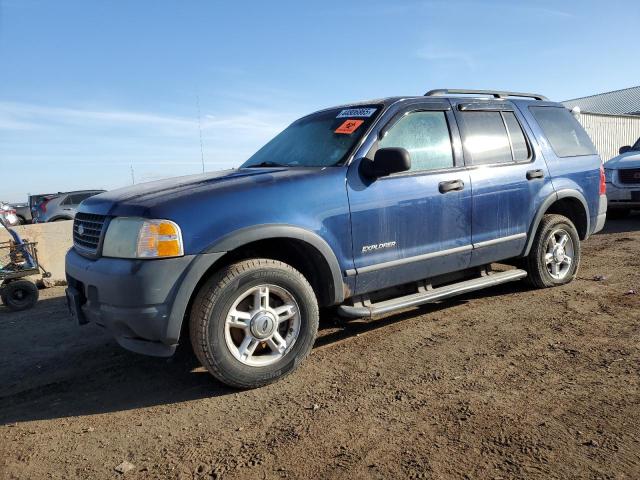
200, 129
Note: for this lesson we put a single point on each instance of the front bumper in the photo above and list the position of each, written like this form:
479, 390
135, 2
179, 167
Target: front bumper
132, 299
623, 197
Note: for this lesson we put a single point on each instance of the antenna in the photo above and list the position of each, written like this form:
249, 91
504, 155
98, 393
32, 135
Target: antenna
133, 177
200, 129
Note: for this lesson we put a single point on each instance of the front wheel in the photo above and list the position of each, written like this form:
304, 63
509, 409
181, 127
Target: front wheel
555, 254
254, 322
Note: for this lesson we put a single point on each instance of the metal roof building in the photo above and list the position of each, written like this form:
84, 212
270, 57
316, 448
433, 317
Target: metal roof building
618, 102
611, 119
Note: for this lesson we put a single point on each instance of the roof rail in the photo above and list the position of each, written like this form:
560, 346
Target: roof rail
494, 93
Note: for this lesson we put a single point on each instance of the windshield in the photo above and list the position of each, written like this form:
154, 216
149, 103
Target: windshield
322, 139
636, 146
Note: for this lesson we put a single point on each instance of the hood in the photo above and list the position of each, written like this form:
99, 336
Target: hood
626, 160
143, 198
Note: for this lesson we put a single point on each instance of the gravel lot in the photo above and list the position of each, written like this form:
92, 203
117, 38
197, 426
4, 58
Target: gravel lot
505, 383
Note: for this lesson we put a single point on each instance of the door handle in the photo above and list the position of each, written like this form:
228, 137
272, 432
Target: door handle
533, 174
451, 186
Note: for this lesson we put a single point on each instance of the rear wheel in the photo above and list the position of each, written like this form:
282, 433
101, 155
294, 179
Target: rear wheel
20, 295
555, 254
254, 322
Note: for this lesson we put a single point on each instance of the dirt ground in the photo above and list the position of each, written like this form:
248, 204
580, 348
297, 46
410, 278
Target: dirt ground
505, 383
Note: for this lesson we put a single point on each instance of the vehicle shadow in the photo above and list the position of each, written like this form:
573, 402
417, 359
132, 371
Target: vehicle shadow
622, 225
53, 369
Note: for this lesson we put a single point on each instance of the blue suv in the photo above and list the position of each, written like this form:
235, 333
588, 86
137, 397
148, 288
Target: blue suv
370, 207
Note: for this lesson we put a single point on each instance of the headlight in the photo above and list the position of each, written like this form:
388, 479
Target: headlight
608, 175
129, 237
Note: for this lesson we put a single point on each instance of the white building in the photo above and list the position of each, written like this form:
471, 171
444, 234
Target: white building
612, 119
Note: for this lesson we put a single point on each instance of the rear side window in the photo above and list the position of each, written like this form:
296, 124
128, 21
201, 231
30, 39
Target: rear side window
425, 135
485, 138
565, 135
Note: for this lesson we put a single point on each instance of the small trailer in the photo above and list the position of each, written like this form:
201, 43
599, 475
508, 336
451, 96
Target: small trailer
18, 260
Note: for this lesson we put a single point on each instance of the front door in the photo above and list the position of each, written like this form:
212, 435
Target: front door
415, 224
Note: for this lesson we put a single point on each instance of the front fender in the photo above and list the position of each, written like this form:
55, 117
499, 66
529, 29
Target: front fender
204, 261
262, 232
196, 270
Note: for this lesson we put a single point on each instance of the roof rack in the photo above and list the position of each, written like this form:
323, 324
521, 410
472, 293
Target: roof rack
494, 93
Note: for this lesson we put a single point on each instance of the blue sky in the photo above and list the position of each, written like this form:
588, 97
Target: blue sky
89, 88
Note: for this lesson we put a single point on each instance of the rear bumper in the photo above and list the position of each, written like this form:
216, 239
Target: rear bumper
133, 299
602, 214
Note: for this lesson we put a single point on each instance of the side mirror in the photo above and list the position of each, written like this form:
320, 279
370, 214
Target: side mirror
624, 149
387, 161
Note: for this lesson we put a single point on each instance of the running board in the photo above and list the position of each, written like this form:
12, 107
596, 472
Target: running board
431, 295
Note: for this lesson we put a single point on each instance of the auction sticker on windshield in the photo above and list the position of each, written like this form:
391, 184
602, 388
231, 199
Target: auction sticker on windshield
349, 126
357, 112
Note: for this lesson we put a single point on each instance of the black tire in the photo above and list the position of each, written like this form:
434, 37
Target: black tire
539, 274
618, 213
20, 295
216, 298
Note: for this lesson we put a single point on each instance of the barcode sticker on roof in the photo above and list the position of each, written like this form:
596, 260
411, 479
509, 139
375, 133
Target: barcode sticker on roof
357, 112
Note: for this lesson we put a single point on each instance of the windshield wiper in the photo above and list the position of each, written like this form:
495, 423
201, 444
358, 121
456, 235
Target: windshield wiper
267, 164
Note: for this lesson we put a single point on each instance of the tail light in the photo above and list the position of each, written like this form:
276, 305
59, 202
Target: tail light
603, 181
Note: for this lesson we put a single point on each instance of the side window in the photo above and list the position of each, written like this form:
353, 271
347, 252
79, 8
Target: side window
516, 135
68, 200
425, 135
565, 135
80, 197
484, 138
73, 199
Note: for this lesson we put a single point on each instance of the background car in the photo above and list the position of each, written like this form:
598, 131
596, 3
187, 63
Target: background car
62, 206
23, 211
8, 214
623, 181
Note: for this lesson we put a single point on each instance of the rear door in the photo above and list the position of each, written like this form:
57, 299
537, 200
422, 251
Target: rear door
507, 178
415, 224
573, 161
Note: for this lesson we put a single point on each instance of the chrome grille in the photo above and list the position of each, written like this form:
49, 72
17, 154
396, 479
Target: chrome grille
629, 175
87, 232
